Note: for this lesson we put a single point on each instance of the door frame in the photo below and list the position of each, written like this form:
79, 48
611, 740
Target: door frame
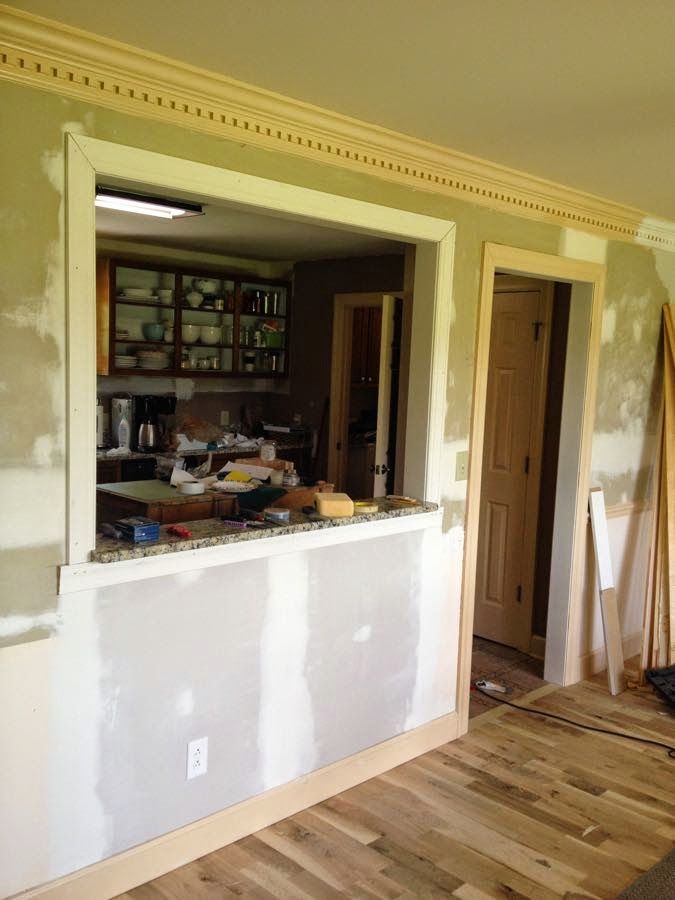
537, 419
340, 370
578, 416
89, 159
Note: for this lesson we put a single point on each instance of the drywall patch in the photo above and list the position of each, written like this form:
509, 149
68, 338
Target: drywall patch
608, 325
17, 626
286, 724
434, 691
582, 245
185, 703
74, 750
362, 635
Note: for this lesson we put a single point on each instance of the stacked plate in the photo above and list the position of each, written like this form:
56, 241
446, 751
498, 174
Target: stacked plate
124, 361
153, 359
137, 294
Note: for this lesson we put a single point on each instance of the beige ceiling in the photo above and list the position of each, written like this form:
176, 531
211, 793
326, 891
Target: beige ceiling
581, 92
227, 230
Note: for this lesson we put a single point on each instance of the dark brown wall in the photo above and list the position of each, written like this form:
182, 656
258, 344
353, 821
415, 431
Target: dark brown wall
315, 283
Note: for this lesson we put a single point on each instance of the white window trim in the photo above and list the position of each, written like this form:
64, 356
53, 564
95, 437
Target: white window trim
89, 159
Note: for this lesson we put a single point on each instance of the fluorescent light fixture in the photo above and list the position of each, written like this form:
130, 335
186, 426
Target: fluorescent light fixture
159, 207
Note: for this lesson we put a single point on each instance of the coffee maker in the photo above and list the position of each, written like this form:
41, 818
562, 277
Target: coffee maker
147, 425
147, 428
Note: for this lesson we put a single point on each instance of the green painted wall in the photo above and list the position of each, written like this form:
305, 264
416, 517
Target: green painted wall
32, 317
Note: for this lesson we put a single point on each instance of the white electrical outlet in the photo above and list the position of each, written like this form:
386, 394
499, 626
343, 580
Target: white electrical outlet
225, 417
197, 757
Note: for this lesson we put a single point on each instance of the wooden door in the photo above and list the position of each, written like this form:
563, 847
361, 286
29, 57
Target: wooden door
384, 325
516, 394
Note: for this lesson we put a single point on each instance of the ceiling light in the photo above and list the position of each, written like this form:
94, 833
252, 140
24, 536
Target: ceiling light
159, 207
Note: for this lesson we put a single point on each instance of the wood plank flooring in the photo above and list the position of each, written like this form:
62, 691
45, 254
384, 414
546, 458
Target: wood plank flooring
519, 807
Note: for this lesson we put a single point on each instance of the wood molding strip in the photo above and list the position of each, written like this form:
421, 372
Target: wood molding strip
131, 868
45, 54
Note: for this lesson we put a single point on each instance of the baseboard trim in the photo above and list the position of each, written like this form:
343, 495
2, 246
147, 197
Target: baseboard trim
537, 646
596, 661
127, 870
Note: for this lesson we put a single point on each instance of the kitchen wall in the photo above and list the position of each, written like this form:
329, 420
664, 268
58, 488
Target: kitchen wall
50, 642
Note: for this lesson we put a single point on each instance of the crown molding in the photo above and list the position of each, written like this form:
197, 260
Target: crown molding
45, 54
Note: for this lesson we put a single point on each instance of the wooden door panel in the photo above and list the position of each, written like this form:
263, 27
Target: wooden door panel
514, 370
496, 549
500, 451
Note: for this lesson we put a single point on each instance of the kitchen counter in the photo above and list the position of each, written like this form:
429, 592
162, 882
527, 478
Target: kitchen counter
212, 532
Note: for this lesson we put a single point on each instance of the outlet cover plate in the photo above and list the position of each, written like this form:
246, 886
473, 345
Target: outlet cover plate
197, 757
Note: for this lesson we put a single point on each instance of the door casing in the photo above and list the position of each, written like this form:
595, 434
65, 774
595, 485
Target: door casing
578, 416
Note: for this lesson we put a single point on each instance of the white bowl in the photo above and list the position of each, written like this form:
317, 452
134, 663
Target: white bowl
165, 295
190, 487
189, 333
194, 299
205, 285
136, 293
210, 334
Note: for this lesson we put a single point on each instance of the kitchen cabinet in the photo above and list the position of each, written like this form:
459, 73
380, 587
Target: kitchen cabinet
165, 320
366, 332
160, 502
113, 470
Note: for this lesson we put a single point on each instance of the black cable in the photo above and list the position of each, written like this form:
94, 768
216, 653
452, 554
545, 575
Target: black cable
549, 715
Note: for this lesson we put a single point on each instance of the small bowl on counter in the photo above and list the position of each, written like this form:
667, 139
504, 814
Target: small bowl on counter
189, 333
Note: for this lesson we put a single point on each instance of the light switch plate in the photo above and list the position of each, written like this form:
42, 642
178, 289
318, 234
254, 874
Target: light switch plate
225, 417
462, 465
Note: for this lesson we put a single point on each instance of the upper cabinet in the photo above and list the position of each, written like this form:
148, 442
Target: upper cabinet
170, 321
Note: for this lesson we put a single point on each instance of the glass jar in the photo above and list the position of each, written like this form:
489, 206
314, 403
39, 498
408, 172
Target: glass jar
268, 450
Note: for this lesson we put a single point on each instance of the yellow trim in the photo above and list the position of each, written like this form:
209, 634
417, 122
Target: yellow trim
46, 54
127, 870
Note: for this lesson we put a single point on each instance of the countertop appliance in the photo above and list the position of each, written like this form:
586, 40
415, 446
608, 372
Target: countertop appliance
147, 425
122, 408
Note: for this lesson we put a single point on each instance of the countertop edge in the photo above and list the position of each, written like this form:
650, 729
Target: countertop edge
92, 575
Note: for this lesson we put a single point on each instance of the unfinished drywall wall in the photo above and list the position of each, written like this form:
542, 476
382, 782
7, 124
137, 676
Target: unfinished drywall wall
50, 684
629, 377
274, 660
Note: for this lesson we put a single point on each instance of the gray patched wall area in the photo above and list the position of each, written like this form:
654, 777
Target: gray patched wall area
287, 664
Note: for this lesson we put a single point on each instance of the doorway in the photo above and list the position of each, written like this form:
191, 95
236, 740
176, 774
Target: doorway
586, 286
366, 387
518, 368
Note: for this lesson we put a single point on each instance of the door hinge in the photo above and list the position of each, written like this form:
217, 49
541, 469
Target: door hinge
519, 593
537, 326
527, 465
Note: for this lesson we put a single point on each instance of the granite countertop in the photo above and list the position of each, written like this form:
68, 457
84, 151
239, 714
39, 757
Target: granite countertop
283, 443
212, 532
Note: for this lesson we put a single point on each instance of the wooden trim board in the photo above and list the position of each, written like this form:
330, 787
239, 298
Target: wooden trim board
48, 55
611, 624
89, 158
124, 871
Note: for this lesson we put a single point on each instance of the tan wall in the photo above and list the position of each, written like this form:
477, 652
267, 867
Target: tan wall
32, 339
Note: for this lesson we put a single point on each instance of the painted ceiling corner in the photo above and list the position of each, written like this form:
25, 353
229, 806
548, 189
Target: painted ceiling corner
43, 53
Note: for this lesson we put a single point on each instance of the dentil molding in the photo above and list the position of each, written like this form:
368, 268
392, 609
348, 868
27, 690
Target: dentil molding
52, 56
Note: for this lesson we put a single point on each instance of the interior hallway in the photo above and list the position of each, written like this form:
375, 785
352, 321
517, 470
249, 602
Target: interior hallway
515, 670
519, 807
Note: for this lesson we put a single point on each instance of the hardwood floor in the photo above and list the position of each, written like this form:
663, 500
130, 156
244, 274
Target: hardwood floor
517, 671
519, 807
